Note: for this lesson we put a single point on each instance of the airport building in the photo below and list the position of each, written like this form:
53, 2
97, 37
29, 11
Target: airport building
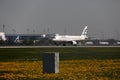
11, 37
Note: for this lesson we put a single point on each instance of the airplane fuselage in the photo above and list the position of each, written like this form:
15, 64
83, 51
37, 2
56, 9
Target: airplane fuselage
67, 38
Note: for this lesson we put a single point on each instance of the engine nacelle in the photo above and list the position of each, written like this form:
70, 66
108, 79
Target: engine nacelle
74, 42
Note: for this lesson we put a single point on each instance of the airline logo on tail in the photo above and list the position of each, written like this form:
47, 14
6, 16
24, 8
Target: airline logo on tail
84, 33
17, 40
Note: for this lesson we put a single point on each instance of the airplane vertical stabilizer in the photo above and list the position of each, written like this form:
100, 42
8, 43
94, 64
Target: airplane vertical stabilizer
84, 33
17, 40
84, 30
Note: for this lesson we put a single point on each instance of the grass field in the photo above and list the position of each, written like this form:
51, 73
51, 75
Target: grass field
75, 64
65, 53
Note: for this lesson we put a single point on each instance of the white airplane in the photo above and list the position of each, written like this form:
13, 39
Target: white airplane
71, 38
2, 35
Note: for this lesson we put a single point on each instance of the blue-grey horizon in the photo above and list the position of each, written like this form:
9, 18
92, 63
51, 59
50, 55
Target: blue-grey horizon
61, 16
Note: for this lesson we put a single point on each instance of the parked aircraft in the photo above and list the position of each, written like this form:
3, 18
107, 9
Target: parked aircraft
63, 39
2, 35
17, 40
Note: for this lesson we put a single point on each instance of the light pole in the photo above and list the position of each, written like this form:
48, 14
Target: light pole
3, 27
28, 31
14, 31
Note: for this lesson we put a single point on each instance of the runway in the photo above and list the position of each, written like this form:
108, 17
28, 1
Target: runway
54, 46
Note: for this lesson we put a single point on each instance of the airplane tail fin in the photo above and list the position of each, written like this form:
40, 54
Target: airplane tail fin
84, 33
17, 40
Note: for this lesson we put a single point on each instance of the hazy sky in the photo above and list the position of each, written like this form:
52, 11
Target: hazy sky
61, 16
